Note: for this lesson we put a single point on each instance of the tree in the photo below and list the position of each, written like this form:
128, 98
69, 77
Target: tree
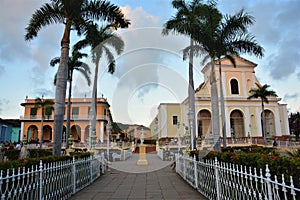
294, 123
74, 15
233, 38
74, 63
45, 105
263, 93
184, 22
223, 36
102, 41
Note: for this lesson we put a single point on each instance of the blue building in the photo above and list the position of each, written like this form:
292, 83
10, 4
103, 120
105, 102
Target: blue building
10, 130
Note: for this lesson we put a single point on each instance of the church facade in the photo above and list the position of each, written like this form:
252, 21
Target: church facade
243, 116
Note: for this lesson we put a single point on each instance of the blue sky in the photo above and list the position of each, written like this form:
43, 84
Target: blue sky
150, 70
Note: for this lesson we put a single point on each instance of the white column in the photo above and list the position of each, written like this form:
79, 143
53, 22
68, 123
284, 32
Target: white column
227, 119
101, 131
22, 131
277, 122
253, 80
247, 121
244, 82
285, 120
258, 121
224, 84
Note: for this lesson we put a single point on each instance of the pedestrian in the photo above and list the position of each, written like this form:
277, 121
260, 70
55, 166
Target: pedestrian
275, 143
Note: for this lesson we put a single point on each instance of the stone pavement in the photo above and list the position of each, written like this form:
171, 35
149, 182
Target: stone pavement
155, 181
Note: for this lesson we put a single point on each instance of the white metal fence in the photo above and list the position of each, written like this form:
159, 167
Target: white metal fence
58, 180
217, 180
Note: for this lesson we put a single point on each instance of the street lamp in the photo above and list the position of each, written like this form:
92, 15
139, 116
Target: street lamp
108, 126
178, 135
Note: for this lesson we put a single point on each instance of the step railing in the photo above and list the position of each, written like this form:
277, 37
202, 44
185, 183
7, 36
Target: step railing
218, 180
57, 180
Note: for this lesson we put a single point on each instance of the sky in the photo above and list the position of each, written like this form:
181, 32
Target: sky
150, 70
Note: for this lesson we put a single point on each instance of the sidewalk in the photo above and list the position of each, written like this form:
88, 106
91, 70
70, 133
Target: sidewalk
163, 183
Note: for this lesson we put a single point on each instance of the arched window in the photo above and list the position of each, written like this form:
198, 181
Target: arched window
234, 86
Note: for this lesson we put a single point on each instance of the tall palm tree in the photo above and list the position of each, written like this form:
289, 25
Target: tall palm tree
74, 63
218, 37
74, 15
263, 93
185, 22
44, 104
232, 39
204, 36
102, 41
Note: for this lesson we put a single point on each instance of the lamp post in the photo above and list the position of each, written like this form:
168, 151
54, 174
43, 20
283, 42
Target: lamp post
108, 126
191, 117
178, 136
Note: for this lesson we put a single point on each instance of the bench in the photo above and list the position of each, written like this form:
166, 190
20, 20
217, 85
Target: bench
116, 156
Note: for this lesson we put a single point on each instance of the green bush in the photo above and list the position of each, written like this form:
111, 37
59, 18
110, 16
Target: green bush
278, 165
12, 154
37, 153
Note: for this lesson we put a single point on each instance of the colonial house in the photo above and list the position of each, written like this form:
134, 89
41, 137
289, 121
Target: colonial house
80, 120
243, 116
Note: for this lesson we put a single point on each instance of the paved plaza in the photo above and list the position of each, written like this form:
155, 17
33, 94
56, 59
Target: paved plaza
126, 180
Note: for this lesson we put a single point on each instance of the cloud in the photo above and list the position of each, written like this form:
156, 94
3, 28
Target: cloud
39, 92
139, 18
291, 96
2, 70
277, 29
3, 104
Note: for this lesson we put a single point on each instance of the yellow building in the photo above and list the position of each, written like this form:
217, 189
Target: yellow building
243, 116
165, 124
80, 120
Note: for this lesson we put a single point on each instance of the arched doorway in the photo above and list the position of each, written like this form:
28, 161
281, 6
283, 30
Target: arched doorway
237, 128
76, 132
204, 123
32, 133
47, 133
270, 123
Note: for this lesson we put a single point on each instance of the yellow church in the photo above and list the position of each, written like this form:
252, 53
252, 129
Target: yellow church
243, 116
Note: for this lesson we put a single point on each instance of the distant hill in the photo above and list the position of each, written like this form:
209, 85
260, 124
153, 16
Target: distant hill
126, 126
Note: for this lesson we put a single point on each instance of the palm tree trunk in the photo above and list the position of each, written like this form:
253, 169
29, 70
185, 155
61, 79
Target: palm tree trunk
68, 131
42, 129
60, 91
222, 102
215, 108
93, 106
191, 92
264, 123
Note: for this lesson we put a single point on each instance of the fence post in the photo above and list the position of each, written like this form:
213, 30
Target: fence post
176, 162
91, 168
184, 169
74, 174
41, 179
195, 172
268, 175
217, 178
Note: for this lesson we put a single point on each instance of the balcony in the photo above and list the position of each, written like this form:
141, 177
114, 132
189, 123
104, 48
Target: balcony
73, 117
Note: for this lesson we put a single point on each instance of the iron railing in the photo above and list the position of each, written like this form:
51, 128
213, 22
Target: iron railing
217, 180
58, 180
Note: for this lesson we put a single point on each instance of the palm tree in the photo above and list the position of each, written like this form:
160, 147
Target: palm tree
102, 41
219, 37
232, 39
185, 22
45, 105
74, 63
263, 93
74, 15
